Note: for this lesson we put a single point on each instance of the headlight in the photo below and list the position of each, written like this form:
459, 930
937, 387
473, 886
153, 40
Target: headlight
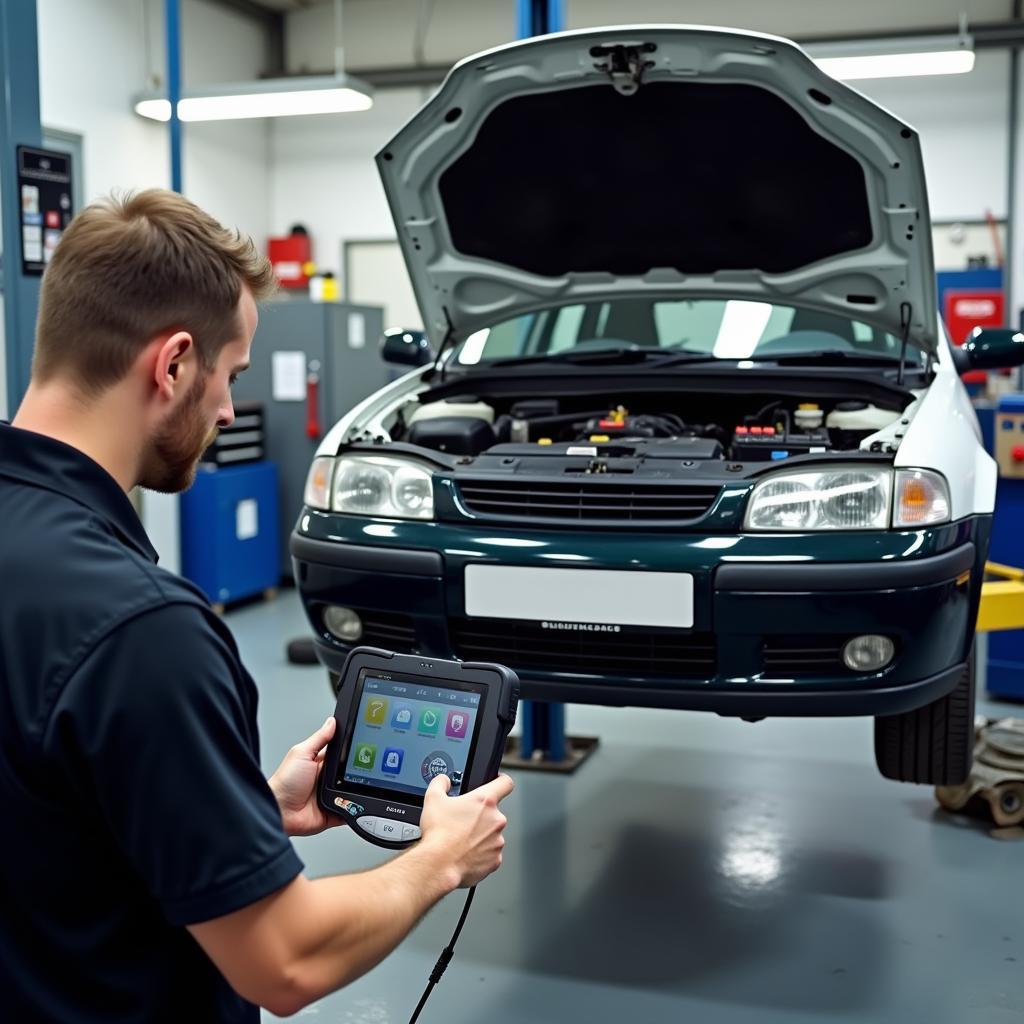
318, 483
372, 485
853, 498
922, 498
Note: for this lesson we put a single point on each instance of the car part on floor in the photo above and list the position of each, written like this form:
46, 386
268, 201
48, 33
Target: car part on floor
996, 782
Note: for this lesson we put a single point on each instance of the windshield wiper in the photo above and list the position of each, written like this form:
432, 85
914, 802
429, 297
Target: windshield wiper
821, 357
835, 355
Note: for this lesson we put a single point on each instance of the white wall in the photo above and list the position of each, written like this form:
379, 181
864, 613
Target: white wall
95, 55
324, 175
382, 33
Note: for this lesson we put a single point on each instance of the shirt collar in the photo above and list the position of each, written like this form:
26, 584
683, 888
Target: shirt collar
55, 466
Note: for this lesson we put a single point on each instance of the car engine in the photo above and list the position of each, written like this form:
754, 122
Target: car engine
470, 427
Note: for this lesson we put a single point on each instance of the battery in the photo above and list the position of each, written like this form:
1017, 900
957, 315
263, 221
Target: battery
766, 444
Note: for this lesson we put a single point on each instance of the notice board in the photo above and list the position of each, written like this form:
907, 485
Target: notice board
44, 181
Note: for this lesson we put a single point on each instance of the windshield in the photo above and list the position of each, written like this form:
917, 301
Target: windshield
716, 328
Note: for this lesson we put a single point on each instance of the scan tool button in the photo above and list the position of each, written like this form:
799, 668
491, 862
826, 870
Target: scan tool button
410, 832
368, 824
388, 829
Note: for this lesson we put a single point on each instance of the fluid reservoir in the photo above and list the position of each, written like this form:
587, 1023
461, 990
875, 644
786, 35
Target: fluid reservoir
858, 416
479, 410
808, 416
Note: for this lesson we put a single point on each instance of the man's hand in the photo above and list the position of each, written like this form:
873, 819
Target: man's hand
294, 785
465, 831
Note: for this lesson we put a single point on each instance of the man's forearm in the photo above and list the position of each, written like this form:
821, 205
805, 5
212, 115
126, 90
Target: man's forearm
313, 937
361, 918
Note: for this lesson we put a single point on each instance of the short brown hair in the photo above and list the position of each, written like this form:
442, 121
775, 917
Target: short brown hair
131, 267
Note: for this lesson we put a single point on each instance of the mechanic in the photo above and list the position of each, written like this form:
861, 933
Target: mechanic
147, 873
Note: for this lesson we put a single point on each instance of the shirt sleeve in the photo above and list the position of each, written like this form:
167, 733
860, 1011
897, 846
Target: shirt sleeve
157, 733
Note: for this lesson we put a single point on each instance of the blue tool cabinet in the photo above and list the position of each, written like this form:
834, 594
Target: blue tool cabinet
1005, 423
229, 530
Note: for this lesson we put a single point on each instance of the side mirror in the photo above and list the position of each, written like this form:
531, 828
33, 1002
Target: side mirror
990, 348
406, 347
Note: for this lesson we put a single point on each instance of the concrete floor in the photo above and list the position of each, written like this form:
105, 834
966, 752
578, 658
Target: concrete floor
696, 869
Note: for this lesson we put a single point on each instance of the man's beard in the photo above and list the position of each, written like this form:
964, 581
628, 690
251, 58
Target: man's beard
170, 464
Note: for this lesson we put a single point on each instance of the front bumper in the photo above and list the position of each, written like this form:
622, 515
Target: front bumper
770, 611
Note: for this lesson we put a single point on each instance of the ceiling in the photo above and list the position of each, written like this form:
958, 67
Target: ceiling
909, 12
285, 5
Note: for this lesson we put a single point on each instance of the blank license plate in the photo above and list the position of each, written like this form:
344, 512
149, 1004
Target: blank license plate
580, 595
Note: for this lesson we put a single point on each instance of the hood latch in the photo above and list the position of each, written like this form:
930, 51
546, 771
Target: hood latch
624, 64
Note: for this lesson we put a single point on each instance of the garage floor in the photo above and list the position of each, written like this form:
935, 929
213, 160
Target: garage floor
696, 869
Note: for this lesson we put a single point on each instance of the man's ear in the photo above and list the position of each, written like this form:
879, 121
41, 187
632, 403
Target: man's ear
175, 364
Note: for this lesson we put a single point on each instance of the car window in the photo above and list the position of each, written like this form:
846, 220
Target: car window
566, 330
722, 328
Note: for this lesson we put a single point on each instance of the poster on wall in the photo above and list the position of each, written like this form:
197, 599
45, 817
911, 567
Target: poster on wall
44, 180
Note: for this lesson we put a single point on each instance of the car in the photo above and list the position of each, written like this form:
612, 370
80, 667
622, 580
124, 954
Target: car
693, 435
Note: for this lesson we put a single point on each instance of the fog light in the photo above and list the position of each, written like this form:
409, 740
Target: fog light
868, 653
343, 623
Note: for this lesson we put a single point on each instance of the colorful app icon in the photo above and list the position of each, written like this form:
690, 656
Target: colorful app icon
437, 763
376, 711
456, 724
430, 721
392, 763
402, 717
365, 756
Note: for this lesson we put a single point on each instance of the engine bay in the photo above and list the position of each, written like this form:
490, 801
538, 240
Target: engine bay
671, 427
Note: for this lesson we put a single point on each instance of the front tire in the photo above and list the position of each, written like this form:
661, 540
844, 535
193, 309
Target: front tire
933, 745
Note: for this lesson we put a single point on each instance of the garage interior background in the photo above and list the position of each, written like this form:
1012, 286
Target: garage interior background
266, 175
821, 913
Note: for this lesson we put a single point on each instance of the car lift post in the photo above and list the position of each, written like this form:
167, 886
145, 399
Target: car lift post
172, 17
544, 744
19, 126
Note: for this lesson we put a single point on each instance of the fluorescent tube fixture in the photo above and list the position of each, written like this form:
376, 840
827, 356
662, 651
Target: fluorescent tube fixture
895, 58
281, 97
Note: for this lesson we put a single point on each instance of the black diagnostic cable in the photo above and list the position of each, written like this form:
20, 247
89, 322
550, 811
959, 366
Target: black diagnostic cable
444, 959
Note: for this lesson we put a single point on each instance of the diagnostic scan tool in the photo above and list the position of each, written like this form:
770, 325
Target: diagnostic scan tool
402, 720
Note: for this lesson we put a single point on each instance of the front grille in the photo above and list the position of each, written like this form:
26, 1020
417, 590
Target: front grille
576, 500
526, 645
791, 656
388, 630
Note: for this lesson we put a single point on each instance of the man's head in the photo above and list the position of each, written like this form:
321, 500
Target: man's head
149, 296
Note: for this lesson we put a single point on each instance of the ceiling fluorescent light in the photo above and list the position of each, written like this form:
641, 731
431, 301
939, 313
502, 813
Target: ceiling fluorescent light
896, 58
282, 97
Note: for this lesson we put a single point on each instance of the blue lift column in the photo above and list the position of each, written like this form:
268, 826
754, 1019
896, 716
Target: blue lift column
173, 21
544, 744
19, 126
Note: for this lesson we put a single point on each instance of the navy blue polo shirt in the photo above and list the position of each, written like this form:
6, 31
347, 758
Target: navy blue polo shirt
131, 793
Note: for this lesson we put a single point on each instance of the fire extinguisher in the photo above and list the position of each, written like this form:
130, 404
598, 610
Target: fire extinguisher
312, 402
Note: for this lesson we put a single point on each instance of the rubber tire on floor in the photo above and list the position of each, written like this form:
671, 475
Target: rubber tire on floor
301, 651
933, 745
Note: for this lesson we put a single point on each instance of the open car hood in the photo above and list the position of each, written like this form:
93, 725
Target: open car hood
662, 160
